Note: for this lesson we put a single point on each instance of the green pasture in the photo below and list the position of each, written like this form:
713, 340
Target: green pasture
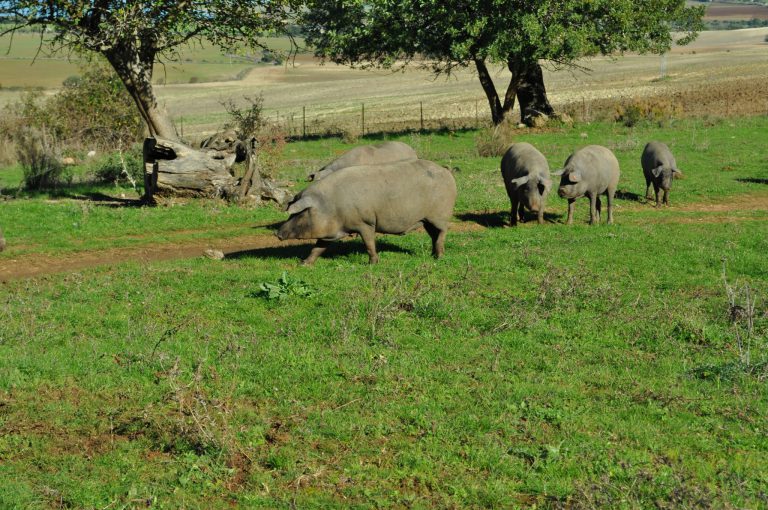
541, 366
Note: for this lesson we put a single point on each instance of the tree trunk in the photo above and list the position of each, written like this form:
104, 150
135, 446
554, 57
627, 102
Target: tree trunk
135, 71
178, 170
499, 110
532, 95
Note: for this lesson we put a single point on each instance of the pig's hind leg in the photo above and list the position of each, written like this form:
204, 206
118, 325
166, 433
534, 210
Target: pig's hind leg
438, 237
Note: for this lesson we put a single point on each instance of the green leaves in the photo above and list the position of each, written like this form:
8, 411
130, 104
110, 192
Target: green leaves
284, 288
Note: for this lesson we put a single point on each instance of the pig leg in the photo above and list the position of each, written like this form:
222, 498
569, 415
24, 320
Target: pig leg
648, 189
513, 213
609, 203
438, 238
521, 212
656, 190
666, 197
592, 209
571, 206
540, 215
369, 238
318, 250
598, 207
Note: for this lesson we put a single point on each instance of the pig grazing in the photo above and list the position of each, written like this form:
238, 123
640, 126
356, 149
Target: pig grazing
387, 152
526, 175
590, 171
659, 168
392, 199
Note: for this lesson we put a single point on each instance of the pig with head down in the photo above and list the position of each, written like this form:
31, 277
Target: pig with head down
659, 168
389, 198
590, 171
526, 176
387, 152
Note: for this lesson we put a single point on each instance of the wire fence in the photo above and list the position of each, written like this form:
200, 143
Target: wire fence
366, 119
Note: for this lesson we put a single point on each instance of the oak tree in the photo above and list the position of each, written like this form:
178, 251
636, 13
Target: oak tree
518, 34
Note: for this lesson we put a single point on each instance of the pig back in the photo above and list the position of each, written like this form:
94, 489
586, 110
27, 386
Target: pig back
522, 159
598, 166
657, 154
394, 197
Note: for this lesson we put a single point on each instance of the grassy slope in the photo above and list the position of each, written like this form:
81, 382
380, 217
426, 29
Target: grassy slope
531, 365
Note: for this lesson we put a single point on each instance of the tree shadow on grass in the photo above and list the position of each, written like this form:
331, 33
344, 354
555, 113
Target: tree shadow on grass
752, 180
301, 251
500, 219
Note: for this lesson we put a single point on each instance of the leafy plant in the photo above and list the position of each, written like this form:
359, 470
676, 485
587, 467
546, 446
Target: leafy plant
285, 287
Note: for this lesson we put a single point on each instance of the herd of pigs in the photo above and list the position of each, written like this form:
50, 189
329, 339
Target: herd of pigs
386, 188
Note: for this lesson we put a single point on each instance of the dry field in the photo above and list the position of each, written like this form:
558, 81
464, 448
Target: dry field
735, 12
715, 64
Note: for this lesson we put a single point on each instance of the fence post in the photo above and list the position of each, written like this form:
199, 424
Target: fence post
421, 114
303, 121
362, 125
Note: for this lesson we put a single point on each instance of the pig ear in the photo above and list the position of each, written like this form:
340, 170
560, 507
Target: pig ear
557, 173
300, 205
520, 181
547, 183
574, 176
657, 171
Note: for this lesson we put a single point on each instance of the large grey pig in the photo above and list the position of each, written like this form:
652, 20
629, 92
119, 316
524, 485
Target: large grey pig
387, 152
590, 171
659, 168
526, 176
392, 199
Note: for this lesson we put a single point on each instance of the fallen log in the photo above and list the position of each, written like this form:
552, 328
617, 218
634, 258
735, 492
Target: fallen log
174, 169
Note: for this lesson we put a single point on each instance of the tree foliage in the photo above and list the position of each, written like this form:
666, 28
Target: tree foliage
444, 35
134, 35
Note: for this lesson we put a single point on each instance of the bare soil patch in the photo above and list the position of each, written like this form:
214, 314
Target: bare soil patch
735, 12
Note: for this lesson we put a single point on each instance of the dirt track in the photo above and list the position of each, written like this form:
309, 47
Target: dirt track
35, 265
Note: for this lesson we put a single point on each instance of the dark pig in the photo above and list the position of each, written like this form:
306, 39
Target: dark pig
590, 171
391, 199
659, 168
526, 176
387, 152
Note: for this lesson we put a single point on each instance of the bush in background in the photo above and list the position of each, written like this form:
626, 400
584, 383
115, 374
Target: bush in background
121, 167
494, 141
657, 110
92, 111
40, 160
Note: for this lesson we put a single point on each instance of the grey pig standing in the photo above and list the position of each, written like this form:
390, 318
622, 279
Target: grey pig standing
526, 176
590, 171
391, 199
387, 152
659, 168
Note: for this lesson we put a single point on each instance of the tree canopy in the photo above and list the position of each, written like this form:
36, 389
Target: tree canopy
519, 34
133, 35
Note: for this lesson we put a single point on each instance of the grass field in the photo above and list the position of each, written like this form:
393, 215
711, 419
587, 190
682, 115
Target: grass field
546, 366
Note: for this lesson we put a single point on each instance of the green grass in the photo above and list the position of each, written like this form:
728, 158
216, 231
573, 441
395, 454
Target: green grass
548, 366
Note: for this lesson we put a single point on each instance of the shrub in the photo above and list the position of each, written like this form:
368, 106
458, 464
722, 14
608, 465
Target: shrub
121, 167
40, 160
494, 141
656, 110
92, 111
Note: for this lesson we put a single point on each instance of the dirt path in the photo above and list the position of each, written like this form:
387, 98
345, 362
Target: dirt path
34, 264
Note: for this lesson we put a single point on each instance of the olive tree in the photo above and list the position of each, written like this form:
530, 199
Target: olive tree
134, 35
518, 34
